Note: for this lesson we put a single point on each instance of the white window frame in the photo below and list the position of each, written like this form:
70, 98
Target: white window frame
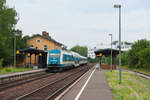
38, 40
45, 46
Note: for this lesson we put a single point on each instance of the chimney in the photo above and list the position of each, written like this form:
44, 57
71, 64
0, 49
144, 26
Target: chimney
44, 33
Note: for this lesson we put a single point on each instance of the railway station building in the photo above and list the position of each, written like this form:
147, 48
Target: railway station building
36, 54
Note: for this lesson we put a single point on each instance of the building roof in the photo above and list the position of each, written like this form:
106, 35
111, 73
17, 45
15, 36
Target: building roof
106, 52
32, 50
45, 37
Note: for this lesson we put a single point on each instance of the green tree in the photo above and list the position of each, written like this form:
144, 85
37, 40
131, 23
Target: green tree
21, 42
8, 20
82, 50
135, 49
138, 56
124, 58
144, 58
96, 60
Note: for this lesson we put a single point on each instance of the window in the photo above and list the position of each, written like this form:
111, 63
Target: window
38, 40
45, 47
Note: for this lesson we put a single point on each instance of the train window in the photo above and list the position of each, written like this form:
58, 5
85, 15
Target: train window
54, 55
67, 58
64, 57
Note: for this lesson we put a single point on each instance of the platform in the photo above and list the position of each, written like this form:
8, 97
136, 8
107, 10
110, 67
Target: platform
20, 73
92, 86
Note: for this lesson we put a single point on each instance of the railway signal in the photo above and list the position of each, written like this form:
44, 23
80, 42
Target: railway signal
100, 55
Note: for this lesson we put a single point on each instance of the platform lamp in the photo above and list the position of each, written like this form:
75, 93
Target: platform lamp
120, 70
111, 53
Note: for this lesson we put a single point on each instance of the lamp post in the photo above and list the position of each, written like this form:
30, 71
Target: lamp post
14, 51
120, 70
111, 53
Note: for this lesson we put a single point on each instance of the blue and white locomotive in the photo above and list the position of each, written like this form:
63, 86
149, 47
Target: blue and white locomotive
58, 60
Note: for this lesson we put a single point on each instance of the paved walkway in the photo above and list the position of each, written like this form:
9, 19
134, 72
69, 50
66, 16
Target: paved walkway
93, 86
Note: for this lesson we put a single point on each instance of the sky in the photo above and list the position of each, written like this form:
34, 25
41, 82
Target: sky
84, 22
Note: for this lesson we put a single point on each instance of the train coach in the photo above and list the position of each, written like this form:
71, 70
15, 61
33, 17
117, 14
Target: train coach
58, 60
83, 60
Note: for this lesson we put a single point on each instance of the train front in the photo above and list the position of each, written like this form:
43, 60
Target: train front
53, 63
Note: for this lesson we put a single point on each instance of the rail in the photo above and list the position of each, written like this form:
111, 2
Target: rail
49, 91
18, 75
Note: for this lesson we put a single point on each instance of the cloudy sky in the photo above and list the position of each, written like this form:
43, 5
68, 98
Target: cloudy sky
83, 22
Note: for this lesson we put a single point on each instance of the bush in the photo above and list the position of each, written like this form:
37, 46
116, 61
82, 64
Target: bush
138, 56
8, 69
133, 54
96, 60
1, 62
143, 58
124, 58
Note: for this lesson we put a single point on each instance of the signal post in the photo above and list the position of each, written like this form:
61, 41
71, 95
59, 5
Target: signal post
100, 59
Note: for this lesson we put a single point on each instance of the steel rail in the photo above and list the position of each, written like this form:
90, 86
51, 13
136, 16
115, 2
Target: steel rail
49, 86
10, 84
146, 76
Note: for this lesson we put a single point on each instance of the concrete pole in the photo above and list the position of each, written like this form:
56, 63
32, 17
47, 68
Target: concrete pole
111, 52
120, 69
120, 45
14, 51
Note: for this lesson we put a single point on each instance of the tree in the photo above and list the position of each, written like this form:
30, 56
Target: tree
135, 49
124, 58
138, 56
8, 20
82, 50
144, 58
95, 60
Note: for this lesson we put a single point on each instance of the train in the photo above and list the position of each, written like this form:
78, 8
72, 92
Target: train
59, 60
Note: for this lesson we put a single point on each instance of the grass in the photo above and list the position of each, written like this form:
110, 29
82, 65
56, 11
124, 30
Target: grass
13, 70
133, 87
142, 70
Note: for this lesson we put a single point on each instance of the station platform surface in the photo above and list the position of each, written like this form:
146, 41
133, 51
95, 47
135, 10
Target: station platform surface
92, 86
20, 73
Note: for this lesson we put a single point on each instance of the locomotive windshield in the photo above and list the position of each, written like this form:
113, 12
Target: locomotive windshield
54, 55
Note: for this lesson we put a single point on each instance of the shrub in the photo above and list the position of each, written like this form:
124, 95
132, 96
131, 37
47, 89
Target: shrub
8, 69
143, 58
1, 62
134, 55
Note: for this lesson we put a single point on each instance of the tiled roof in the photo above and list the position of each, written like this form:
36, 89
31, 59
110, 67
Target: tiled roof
45, 37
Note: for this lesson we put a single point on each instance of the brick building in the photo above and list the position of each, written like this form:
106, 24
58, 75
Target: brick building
43, 42
40, 42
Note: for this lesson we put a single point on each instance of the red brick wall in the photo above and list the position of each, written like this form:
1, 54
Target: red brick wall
108, 67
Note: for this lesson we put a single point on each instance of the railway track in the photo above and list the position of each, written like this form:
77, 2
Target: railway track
51, 90
146, 76
24, 80
19, 75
